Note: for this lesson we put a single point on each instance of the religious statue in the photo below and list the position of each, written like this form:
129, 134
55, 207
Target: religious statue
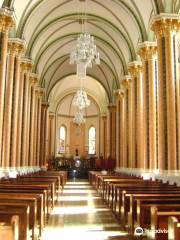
77, 153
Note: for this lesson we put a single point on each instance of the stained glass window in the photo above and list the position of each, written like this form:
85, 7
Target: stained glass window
62, 138
92, 140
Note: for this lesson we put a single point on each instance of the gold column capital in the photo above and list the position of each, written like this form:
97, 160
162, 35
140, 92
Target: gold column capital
51, 115
104, 116
40, 92
7, 20
18, 44
135, 68
147, 50
164, 23
34, 78
119, 94
45, 105
112, 107
26, 64
126, 81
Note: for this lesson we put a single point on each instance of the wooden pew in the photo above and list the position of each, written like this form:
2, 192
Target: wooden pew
159, 221
36, 209
22, 211
129, 215
41, 206
44, 183
31, 186
104, 180
114, 186
9, 228
173, 228
142, 213
117, 189
52, 184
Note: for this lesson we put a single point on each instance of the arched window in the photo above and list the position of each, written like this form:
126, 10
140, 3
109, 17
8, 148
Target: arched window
62, 138
92, 140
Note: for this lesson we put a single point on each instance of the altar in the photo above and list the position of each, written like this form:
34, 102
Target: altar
76, 166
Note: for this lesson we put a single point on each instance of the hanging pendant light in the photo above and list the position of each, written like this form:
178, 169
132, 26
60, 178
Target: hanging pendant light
79, 118
80, 99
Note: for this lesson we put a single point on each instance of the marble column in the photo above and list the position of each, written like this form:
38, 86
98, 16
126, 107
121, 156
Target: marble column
135, 69
19, 117
104, 131
6, 22
35, 126
122, 122
126, 84
112, 133
25, 112
39, 103
20, 44
33, 81
166, 27
51, 134
117, 128
12, 48
148, 53
43, 133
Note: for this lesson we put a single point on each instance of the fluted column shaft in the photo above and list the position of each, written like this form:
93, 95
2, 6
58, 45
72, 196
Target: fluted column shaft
104, 130
39, 103
6, 22
35, 127
8, 108
131, 122
51, 134
148, 53
165, 28
16, 104
32, 129
25, 114
46, 137
135, 69
126, 83
112, 133
117, 128
19, 117
122, 132
43, 133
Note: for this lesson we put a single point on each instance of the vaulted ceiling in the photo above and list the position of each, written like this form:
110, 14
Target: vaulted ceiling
51, 27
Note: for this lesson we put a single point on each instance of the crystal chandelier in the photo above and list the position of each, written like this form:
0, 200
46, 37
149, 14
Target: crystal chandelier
79, 118
80, 99
85, 51
84, 54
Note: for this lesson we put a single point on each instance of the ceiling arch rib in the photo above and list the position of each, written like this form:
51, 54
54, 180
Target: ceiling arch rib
47, 65
93, 88
106, 24
105, 70
104, 75
69, 89
66, 108
46, 41
51, 27
45, 50
68, 67
93, 4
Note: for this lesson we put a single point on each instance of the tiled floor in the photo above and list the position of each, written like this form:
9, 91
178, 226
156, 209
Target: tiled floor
80, 214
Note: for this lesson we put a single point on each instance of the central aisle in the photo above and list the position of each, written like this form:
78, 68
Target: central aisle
80, 214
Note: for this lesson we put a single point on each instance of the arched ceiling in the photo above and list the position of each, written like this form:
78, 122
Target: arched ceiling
51, 27
66, 107
70, 84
